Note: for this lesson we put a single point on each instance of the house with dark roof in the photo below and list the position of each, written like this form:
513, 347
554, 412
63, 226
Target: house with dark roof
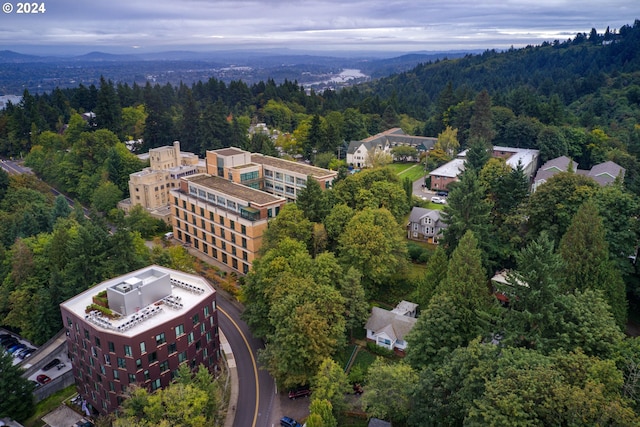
388, 329
425, 225
358, 151
603, 173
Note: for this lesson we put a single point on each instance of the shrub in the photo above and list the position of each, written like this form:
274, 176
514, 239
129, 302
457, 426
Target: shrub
380, 351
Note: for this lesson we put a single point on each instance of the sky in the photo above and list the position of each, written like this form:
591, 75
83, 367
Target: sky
119, 26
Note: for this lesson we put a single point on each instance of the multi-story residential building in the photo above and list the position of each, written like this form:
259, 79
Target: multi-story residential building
137, 329
603, 173
222, 218
150, 187
271, 174
425, 225
358, 151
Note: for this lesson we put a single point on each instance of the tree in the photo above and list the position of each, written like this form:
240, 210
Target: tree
108, 111
336, 222
554, 203
331, 384
403, 153
466, 209
377, 158
321, 414
389, 390
106, 197
587, 265
551, 143
373, 243
313, 201
435, 272
356, 305
481, 120
61, 209
17, 398
448, 141
290, 222
477, 156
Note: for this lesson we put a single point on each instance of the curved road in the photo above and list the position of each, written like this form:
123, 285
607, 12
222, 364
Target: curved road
256, 387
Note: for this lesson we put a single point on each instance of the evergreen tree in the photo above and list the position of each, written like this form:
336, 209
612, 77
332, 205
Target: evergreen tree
481, 120
478, 155
313, 201
17, 400
466, 209
585, 252
108, 111
435, 272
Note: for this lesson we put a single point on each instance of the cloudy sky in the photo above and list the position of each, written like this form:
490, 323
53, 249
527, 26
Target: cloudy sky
329, 25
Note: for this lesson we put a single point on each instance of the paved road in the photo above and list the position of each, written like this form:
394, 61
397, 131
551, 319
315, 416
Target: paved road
256, 387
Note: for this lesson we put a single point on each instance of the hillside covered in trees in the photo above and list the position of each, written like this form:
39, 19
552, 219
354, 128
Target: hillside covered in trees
556, 354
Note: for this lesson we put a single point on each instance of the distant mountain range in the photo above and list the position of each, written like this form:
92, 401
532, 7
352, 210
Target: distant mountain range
45, 73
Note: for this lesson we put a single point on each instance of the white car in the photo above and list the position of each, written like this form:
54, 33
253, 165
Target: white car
438, 200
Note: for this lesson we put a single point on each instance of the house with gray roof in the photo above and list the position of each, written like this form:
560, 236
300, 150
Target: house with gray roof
425, 225
358, 151
388, 329
603, 173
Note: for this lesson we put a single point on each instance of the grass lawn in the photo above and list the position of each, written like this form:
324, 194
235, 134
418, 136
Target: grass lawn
49, 404
414, 171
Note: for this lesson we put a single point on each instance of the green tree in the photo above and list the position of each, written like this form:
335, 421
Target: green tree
336, 222
554, 203
587, 265
404, 153
356, 305
313, 201
481, 120
106, 197
466, 209
477, 156
108, 111
448, 141
331, 384
61, 209
389, 390
551, 143
373, 243
321, 414
17, 400
290, 222
435, 272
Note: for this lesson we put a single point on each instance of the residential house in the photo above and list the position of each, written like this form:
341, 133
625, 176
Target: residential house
425, 225
157, 319
603, 173
388, 329
358, 151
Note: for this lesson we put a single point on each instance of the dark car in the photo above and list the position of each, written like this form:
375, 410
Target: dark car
289, 422
8, 341
43, 379
442, 193
16, 347
51, 364
302, 391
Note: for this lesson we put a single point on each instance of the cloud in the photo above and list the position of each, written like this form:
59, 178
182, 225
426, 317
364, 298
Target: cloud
321, 24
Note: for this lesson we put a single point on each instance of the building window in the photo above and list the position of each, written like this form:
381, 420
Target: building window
155, 384
146, 375
143, 347
202, 327
172, 348
116, 375
160, 339
190, 338
127, 350
164, 366
179, 330
132, 378
107, 359
97, 340
153, 357
206, 311
196, 318
182, 357
122, 363
209, 336
86, 334
232, 225
244, 243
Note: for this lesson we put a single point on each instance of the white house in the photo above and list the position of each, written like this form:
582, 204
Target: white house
388, 329
358, 151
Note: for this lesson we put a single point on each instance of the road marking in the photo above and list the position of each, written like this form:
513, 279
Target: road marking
253, 362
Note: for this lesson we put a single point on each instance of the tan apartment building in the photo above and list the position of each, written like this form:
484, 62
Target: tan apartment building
277, 176
222, 218
150, 187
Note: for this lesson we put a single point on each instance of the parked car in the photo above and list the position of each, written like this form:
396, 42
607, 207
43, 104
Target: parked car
16, 347
438, 200
442, 193
51, 364
43, 379
302, 391
289, 422
8, 341
27, 353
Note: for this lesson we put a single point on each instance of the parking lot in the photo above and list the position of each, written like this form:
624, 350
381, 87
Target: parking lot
18, 347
